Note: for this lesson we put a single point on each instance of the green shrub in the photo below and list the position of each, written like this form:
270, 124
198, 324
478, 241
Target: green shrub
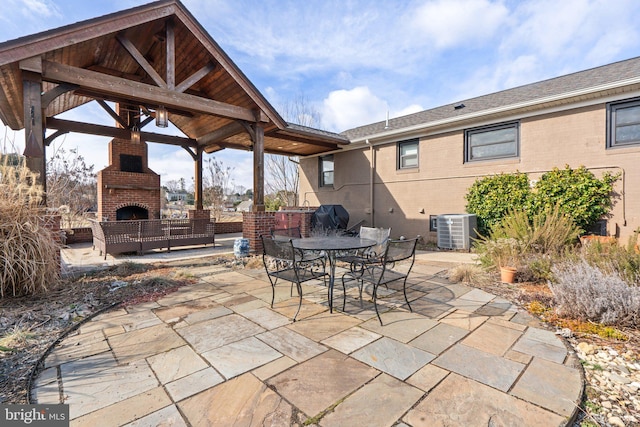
492, 197
578, 192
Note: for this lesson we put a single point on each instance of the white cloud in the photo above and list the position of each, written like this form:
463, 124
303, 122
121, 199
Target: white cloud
451, 23
42, 8
345, 109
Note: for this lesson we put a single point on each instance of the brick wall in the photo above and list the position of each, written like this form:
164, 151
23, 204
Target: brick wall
228, 227
79, 235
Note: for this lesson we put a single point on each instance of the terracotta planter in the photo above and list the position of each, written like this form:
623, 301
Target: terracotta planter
507, 274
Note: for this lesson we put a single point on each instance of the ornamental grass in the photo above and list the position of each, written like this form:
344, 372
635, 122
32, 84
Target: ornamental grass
28, 251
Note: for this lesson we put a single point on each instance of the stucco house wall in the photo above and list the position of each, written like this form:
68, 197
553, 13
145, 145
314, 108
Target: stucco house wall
573, 134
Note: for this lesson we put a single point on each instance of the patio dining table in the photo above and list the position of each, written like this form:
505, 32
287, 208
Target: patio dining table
331, 245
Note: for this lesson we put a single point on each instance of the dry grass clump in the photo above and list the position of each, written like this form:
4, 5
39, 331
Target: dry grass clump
28, 251
586, 292
469, 273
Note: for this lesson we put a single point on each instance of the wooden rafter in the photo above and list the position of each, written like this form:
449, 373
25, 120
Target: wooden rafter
141, 60
142, 93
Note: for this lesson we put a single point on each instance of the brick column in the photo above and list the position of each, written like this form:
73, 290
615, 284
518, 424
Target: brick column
254, 224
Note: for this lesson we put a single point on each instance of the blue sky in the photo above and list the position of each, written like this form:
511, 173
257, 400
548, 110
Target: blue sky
356, 60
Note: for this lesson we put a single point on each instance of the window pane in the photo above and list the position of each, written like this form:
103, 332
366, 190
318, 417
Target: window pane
327, 178
629, 115
627, 134
409, 161
493, 136
500, 141
408, 155
327, 165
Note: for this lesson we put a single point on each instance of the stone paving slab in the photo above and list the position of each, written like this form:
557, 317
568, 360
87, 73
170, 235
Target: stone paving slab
543, 382
492, 338
292, 344
91, 391
380, 402
143, 343
193, 383
241, 401
240, 356
439, 338
324, 325
205, 336
168, 416
483, 367
351, 340
126, 411
318, 383
459, 401
393, 357
402, 326
176, 363
541, 343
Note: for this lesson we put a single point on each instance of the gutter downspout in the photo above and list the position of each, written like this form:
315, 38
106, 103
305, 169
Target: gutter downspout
372, 168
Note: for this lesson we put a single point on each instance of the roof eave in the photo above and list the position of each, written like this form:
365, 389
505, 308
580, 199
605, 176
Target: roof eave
531, 104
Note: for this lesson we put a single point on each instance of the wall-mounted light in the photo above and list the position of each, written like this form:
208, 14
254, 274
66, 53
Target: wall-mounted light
162, 117
135, 134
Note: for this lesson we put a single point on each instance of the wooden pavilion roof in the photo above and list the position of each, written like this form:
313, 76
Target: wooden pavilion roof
149, 56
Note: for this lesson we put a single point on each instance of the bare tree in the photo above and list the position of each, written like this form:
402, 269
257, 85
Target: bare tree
282, 171
218, 184
71, 185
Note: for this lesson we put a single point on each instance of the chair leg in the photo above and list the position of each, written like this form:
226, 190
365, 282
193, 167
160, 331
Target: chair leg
299, 301
404, 289
375, 302
344, 295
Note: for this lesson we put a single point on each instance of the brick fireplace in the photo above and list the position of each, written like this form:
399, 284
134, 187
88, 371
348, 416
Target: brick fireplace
127, 188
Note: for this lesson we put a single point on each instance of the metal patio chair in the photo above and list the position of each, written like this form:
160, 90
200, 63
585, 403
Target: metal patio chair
394, 265
282, 261
313, 260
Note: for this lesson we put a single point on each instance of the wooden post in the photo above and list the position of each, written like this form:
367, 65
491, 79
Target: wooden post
33, 128
258, 168
198, 178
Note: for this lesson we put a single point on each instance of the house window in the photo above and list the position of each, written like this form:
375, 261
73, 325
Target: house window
408, 154
623, 123
492, 142
326, 171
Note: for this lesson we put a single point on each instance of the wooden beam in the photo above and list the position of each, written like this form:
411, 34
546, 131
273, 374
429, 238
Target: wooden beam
48, 140
33, 64
195, 77
224, 132
113, 132
142, 93
33, 131
198, 184
171, 54
112, 113
258, 168
49, 96
141, 60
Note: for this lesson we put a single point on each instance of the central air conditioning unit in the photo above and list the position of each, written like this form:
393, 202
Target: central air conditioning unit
455, 231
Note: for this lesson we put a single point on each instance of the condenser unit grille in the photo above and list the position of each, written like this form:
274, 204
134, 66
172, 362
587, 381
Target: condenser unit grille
456, 231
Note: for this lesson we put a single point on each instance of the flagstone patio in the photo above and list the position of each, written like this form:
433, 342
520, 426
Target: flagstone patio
215, 353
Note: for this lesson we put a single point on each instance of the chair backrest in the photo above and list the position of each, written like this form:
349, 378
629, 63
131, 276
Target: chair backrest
380, 235
286, 233
279, 249
399, 250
